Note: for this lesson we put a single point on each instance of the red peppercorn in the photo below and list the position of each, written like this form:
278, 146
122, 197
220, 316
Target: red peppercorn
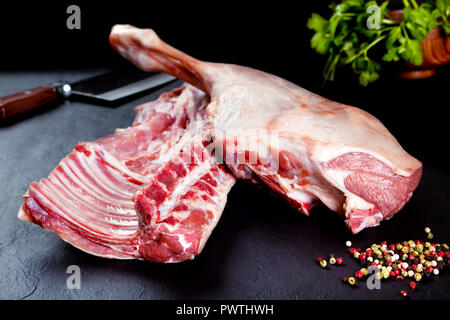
392, 274
404, 293
369, 252
412, 285
383, 243
397, 272
362, 256
400, 278
430, 269
447, 255
339, 260
353, 250
441, 254
411, 257
359, 274
414, 266
392, 247
319, 259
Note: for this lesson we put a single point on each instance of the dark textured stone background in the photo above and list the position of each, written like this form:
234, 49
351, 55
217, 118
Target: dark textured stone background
260, 249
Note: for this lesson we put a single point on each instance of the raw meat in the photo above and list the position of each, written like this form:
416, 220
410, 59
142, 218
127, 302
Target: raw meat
311, 149
133, 194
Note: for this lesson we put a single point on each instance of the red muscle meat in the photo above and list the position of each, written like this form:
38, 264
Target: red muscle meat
100, 197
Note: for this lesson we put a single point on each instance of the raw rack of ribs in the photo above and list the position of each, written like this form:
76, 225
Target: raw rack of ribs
149, 191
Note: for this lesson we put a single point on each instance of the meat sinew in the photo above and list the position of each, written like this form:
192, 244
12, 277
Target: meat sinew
324, 151
149, 191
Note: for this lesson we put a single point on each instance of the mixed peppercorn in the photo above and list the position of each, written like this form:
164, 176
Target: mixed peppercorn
408, 259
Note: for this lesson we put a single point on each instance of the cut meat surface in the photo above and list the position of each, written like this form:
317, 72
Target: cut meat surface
324, 151
92, 198
181, 205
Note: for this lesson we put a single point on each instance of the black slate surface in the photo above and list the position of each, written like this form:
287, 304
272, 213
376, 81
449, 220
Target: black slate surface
261, 248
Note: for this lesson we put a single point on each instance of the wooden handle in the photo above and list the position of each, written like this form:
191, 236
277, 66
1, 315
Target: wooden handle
25, 101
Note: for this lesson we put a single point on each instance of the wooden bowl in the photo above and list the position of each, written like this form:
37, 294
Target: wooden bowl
435, 50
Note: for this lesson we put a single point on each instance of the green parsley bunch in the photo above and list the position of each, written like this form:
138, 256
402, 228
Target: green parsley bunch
347, 39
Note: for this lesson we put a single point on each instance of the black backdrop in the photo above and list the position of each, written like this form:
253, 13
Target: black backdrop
271, 36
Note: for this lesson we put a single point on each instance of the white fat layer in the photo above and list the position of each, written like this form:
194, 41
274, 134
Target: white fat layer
186, 245
336, 178
323, 155
300, 196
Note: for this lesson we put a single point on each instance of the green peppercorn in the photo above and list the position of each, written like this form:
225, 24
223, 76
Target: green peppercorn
427, 244
399, 247
405, 249
446, 247
323, 263
417, 276
430, 236
351, 281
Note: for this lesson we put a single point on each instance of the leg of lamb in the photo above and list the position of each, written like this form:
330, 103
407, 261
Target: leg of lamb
325, 151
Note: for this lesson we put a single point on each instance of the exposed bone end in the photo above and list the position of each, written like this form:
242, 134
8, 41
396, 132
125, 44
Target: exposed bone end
146, 37
23, 214
361, 219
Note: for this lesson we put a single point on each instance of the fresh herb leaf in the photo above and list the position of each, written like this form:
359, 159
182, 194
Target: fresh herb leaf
347, 40
321, 40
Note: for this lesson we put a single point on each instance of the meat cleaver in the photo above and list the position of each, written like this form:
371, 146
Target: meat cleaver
108, 88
